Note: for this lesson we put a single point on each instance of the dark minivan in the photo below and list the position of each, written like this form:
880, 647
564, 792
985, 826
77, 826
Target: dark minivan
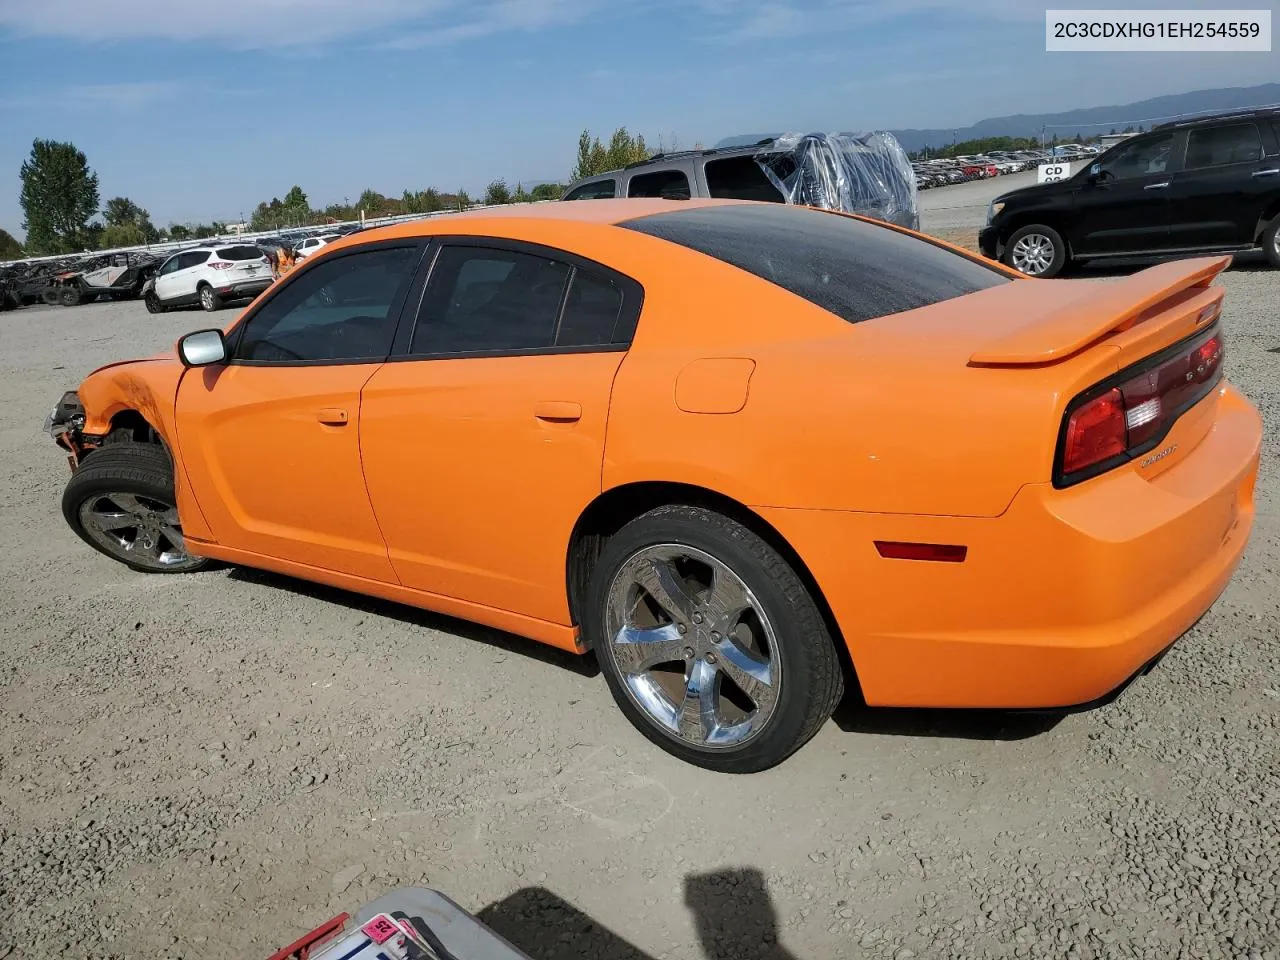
1207, 185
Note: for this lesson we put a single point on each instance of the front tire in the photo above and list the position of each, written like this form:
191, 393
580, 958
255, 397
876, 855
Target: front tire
153, 303
121, 502
1271, 242
711, 644
1036, 250
69, 297
209, 301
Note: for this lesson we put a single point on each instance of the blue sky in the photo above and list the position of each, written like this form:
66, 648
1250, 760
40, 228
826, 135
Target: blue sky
198, 109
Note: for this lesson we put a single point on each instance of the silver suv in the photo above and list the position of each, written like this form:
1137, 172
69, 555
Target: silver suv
859, 175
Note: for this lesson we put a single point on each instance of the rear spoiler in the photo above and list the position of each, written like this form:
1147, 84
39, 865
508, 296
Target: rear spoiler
1114, 306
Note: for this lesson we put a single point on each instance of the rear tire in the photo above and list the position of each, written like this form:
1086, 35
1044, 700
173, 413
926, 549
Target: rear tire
756, 685
209, 300
153, 303
1037, 251
121, 502
69, 297
1271, 242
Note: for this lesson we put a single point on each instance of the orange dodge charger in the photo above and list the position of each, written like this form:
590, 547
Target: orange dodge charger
744, 452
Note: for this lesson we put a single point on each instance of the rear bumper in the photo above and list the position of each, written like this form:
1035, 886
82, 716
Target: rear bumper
243, 288
1060, 600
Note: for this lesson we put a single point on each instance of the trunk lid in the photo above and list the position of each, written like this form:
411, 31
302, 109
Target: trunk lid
1168, 301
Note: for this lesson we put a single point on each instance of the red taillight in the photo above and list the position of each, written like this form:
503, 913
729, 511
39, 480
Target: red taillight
1095, 432
1133, 415
220, 264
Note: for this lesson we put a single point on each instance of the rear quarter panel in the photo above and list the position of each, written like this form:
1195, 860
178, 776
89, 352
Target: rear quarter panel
883, 416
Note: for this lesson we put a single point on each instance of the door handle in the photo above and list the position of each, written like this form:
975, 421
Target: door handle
558, 411
1156, 186
1267, 173
332, 416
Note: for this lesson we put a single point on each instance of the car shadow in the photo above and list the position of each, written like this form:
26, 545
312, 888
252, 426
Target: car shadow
585, 666
853, 716
733, 916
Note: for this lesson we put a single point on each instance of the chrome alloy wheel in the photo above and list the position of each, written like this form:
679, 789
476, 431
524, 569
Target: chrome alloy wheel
206, 298
1033, 254
137, 529
694, 647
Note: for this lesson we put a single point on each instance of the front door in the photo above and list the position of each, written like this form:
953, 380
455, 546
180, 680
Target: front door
1125, 207
1223, 187
167, 280
484, 444
271, 439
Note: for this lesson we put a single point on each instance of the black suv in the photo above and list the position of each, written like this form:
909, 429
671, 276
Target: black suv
1206, 185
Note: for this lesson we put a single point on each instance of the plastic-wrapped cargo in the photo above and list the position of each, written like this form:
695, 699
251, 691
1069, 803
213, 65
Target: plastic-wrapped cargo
868, 174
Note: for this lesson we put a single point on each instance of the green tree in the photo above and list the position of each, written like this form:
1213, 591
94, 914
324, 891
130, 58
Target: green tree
423, 201
547, 191
121, 210
371, 202
10, 248
594, 157
121, 235
461, 200
178, 231
497, 192
121, 213
59, 196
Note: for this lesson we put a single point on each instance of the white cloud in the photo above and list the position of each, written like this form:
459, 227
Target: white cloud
257, 24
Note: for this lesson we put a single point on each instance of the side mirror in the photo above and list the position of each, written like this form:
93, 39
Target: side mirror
202, 348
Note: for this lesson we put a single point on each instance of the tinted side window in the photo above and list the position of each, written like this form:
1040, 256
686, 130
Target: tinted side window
671, 184
170, 265
591, 311
340, 309
739, 178
597, 190
1139, 158
193, 259
851, 268
1219, 146
486, 299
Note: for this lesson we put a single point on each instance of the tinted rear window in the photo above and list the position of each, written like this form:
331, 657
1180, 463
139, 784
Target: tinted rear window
240, 253
854, 269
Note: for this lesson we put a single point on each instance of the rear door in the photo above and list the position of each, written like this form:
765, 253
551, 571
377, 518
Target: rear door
671, 181
484, 442
1125, 208
1224, 185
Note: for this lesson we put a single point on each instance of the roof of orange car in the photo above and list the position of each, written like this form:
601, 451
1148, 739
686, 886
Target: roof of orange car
582, 211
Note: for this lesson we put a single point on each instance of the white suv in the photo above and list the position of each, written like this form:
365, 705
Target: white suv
312, 244
209, 276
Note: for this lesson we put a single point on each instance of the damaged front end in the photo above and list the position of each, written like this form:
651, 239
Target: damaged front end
66, 425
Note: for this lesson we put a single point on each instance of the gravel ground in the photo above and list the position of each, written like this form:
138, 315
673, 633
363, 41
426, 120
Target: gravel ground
204, 766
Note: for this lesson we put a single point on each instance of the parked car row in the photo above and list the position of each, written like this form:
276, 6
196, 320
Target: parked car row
942, 172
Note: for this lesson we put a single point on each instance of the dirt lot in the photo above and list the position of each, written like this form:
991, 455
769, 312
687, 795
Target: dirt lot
203, 766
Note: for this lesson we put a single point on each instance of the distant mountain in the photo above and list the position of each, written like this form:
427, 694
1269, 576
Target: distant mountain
1088, 120
1094, 120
